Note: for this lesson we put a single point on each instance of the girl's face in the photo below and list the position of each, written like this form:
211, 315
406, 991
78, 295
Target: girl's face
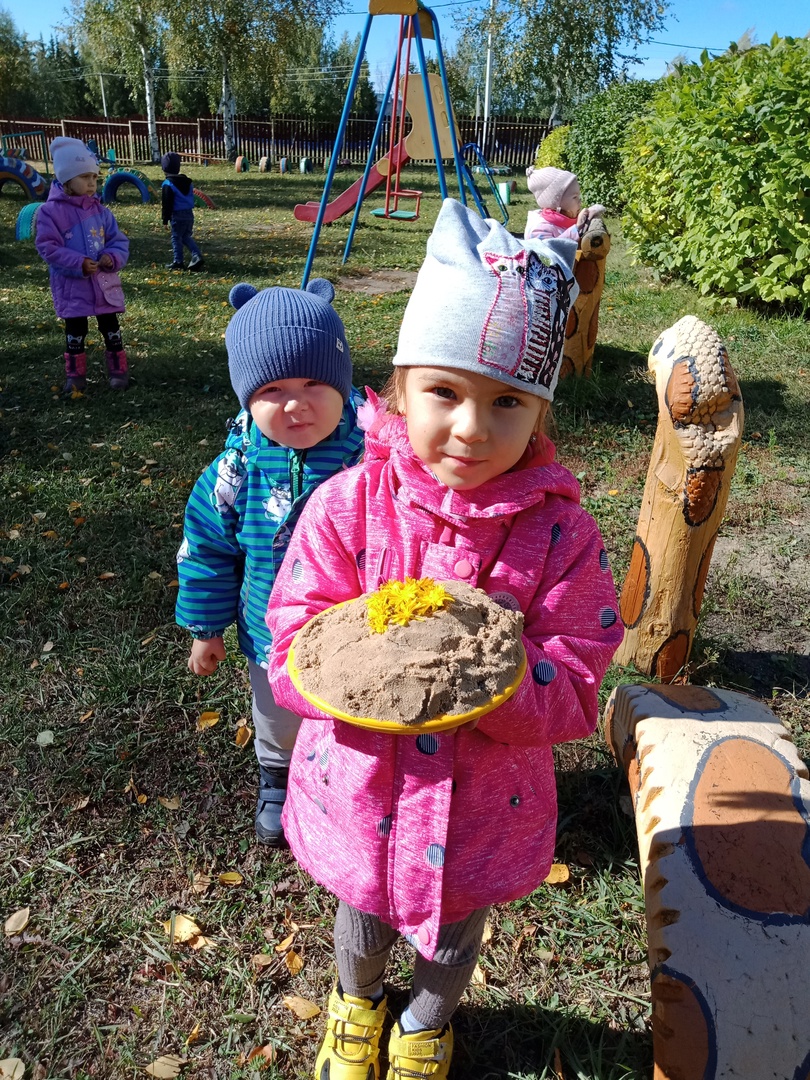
573, 201
467, 428
84, 184
296, 412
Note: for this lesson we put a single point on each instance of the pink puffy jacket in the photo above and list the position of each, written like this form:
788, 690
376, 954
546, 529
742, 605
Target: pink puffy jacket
422, 830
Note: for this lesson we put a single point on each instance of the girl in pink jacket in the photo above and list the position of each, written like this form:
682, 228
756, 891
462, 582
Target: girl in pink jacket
419, 834
80, 241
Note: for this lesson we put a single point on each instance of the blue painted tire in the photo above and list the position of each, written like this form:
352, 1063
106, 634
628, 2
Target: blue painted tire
15, 170
25, 227
283, 165
124, 176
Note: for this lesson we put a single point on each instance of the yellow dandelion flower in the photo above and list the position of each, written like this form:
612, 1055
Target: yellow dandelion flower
399, 602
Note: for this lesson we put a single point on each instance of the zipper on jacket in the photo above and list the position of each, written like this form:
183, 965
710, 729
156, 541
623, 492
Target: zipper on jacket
297, 475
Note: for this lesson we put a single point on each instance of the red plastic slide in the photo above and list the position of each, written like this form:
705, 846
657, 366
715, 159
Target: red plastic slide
347, 200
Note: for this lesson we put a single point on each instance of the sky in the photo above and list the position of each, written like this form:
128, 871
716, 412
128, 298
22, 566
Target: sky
691, 26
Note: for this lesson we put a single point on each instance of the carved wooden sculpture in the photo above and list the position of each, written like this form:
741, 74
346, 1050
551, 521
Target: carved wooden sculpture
583, 320
700, 425
722, 804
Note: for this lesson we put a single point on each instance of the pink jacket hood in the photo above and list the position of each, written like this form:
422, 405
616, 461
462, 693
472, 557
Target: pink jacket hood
422, 830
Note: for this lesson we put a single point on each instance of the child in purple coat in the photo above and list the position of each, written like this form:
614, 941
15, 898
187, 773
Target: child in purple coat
418, 834
80, 241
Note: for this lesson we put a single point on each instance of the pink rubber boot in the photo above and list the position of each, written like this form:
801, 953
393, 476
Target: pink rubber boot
75, 373
117, 369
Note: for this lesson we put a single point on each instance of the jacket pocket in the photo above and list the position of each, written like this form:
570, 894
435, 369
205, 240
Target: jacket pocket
111, 288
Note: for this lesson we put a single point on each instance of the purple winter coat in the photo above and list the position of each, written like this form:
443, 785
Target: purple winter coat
423, 830
70, 229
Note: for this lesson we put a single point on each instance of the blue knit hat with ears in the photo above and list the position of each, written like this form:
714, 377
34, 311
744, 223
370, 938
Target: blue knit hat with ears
286, 334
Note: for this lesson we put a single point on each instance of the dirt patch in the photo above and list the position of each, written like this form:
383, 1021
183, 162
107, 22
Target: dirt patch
378, 281
758, 610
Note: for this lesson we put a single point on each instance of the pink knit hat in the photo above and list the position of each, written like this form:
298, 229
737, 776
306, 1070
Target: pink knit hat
71, 158
551, 187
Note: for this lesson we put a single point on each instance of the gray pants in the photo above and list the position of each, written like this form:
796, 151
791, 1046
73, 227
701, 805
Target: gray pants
275, 728
362, 946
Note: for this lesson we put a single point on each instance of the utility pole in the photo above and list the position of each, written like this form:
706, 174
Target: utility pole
488, 81
103, 98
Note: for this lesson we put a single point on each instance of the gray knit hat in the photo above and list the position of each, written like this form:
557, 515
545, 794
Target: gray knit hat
551, 187
488, 303
71, 158
286, 334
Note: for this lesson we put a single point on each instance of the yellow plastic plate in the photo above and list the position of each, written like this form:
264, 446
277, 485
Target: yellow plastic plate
438, 723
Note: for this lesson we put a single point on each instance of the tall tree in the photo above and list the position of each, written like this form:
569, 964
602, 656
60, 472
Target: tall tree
242, 43
316, 82
16, 79
128, 33
558, 51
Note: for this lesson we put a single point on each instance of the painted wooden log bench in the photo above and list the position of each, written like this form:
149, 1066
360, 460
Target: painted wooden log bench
722, 805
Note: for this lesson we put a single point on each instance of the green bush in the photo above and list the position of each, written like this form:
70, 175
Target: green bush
597, 132
717, 175
553, 150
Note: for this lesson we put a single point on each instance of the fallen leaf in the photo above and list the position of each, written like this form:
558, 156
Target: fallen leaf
143, 799
487, 935
207, 720
171, 804
106, 575
45, 738
293, 961
263, 1055
81, 560
193, 1036
613, 491
74, 506
147, 480
155, 576
199, 941
11, 1069
79, 802
184, 928
231, 878
79, 520
85, 716
33, 664
6, 559
479, 976
148, 640
302, 1008
200, 883
39, 515
63, 585
47, 646
285, 944
17, 922
244, 732
165, 1067
262, 960
558, 1069
174, 584
51, 534
558, 874
23, 569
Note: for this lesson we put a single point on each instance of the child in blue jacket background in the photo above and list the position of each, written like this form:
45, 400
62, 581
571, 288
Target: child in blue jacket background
291, 370
177, 205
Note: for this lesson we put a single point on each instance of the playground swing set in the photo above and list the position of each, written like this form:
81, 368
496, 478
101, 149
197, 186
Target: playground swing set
433, 134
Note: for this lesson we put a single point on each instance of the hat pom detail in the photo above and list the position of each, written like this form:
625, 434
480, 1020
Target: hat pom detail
241, 293
322, 288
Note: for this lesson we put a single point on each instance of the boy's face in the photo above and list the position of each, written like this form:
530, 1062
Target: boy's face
466, 427
296, 412
84, 184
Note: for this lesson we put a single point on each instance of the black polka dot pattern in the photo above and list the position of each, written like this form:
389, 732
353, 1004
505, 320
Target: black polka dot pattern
360, 559
604, 565
297, 571
435, 855
318, 803
323, 760
543, 672
427, 744
556, 533
607, 617
384, 825
311, 757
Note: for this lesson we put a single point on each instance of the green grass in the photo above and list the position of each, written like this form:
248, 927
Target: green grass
93, 988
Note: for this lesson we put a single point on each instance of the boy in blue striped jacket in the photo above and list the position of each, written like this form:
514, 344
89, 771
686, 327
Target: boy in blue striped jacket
291, 370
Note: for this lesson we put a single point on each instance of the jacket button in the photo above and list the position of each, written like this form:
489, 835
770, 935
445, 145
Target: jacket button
515, 800
463, 568
423, 934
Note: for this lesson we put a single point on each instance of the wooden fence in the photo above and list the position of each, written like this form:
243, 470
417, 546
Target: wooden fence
510, 141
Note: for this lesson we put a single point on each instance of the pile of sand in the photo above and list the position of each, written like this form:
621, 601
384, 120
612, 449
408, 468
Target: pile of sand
451, 662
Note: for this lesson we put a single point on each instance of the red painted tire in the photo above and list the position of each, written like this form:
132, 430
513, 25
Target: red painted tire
242, 164
201, 199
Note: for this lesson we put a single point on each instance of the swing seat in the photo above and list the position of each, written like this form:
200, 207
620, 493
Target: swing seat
400, 215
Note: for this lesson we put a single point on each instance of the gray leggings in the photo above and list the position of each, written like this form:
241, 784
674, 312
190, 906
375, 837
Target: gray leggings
275, 728
364, 942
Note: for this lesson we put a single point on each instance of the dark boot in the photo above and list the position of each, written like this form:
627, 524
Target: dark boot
272, 793
196, 263
75, 373
117, 369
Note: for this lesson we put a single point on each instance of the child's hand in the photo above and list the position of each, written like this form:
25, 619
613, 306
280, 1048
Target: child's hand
205, 655
89, 267
106, 262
